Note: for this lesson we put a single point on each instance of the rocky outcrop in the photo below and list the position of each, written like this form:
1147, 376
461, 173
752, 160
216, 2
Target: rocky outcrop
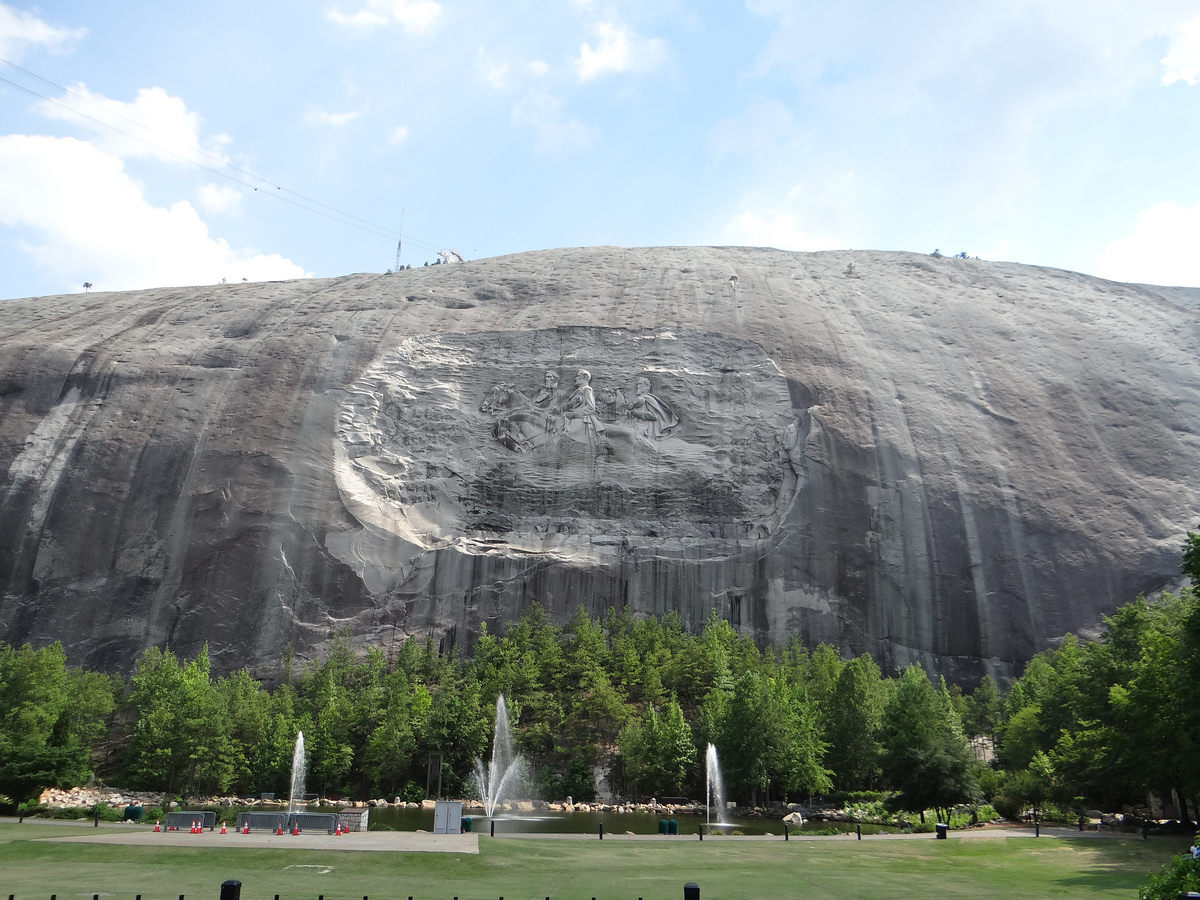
942, 460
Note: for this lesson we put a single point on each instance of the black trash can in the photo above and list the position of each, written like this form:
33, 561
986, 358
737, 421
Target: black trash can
672, 826
662, 826
941, 828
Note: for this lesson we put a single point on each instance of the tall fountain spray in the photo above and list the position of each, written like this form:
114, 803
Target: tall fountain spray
297, 774
493, 780
714, 791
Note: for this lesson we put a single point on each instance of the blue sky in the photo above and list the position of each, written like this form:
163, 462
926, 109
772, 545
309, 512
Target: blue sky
149, 144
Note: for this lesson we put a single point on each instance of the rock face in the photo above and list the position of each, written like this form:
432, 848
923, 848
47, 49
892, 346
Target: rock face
941, 460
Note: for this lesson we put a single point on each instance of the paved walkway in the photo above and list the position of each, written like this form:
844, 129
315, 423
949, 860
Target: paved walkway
989, 831
85, 832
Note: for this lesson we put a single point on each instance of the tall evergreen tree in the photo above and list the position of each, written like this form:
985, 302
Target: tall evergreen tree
925, 757
853, 718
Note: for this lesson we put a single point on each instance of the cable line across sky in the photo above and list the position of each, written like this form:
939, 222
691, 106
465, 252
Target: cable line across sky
212, 162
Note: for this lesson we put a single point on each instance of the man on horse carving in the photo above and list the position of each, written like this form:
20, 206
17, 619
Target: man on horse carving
581, 407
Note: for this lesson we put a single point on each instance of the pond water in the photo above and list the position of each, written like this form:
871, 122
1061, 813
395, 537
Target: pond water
543, 822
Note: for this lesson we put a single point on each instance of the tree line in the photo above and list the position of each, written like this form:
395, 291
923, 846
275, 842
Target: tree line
1101, 722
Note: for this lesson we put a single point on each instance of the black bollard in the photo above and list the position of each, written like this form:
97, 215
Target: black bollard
700, 831
1037, 829
493, 831
691, 891
858, 831
786, 831
601, 831
231, 889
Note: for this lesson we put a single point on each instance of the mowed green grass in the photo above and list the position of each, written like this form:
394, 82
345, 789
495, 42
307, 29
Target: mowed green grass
526, 869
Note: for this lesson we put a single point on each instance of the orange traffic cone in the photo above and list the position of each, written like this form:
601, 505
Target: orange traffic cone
222, 828
279, 828
338, 830
156, 828
295, 829
246, 827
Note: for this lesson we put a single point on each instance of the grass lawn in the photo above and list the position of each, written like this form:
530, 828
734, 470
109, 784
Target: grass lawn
526, 869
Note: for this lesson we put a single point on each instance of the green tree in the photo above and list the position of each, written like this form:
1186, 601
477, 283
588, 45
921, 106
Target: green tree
49, 717
852, 721
984, 708
388, 758
1191, 557
657, 752
925, 757
271, 758
247, 707
795, 749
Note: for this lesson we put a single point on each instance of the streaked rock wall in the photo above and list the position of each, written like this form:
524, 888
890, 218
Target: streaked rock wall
943, 460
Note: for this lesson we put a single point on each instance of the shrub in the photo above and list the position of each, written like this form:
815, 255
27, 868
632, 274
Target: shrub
1180, 875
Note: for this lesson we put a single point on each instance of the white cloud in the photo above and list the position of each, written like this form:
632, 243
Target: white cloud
555, 134
619, 50
154, 126
1001, 250
20, 30
764, 126
92, 222
314, 115
414, 16
776, 228
1182, 62
219, 198
501, 74
398, 136
1160, 250
494, 72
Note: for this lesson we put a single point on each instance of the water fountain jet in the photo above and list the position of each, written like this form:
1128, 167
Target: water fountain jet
714, 787
298, 772
493, 780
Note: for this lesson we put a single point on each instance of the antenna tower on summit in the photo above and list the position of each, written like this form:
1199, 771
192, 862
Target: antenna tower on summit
400, 242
